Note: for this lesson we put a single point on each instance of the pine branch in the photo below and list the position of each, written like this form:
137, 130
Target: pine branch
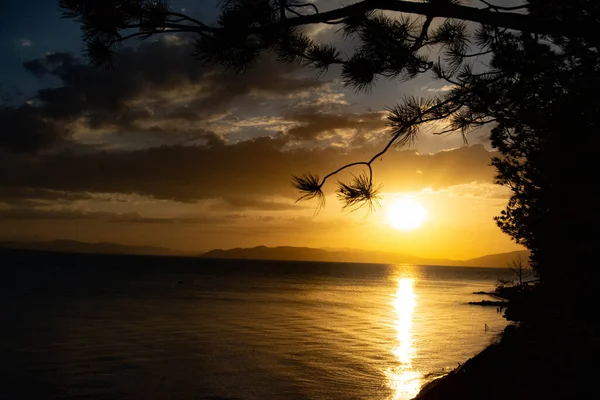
448, 10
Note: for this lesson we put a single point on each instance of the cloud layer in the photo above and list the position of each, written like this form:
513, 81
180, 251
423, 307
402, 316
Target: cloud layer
162, 126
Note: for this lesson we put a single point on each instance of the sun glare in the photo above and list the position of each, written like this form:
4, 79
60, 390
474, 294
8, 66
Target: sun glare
406, 214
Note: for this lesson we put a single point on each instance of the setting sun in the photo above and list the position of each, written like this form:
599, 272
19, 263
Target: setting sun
406, 214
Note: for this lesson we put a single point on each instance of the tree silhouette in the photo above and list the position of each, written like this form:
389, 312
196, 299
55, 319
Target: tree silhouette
546, 132
520, 268
538, 90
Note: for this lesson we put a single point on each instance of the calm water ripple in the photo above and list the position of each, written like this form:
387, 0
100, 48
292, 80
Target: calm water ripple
125, 328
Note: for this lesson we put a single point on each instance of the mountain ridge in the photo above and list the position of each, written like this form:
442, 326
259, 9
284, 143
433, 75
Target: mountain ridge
291, 253
283, 253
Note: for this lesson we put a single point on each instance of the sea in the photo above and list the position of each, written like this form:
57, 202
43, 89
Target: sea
137, 327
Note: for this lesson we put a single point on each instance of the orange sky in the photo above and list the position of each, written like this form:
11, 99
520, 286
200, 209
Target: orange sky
458, 195
182, 156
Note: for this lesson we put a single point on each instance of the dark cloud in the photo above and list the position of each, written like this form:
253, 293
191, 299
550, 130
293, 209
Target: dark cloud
250, 203
246, 170
313, 122
222, 219
160, 67
66, 214
40, 214
50, 63
21, 196
151, 67
27, 129
154, 82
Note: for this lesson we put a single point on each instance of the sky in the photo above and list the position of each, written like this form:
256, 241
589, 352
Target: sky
163, 151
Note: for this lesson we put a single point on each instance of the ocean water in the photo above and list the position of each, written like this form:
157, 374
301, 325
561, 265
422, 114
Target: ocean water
118, 327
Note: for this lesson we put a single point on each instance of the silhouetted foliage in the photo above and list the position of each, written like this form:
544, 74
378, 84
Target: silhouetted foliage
359, 192
310, 185
546, 131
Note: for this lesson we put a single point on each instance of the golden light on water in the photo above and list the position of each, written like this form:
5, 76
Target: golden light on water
403, 379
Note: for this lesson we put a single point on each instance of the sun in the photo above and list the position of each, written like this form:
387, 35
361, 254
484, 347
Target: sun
406, 214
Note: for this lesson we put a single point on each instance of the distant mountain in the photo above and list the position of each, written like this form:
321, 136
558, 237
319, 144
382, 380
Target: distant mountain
285, 253
501, 260
311, 254
274, 253
73, 246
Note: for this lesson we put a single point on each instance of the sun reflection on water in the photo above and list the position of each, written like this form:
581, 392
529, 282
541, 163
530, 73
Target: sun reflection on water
403, 379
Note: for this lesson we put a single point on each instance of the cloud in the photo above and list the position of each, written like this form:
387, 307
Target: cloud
445, 88
33, 213
252, 203
26, 43
164, 69
163, 126
156, 88
479, 190
311, 122
16, 196
27, 129
67, 214
250, 169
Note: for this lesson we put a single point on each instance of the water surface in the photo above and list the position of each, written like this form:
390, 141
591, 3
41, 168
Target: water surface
108, 327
